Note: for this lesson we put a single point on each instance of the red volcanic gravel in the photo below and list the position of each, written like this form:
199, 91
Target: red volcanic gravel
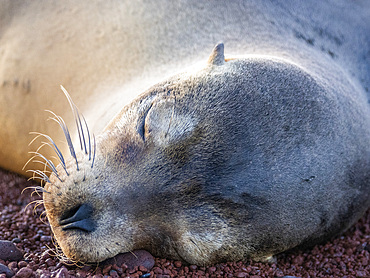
26, 226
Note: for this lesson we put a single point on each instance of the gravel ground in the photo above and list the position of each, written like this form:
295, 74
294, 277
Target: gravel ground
344, 256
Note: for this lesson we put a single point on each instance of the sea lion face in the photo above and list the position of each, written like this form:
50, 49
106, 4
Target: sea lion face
123, 201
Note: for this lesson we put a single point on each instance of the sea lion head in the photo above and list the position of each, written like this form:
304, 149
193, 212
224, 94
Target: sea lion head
115, 195
181, 171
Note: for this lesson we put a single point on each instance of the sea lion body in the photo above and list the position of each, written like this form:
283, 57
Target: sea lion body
236, 158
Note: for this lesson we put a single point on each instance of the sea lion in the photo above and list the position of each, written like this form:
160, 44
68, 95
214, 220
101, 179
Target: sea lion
241, 157
212, 167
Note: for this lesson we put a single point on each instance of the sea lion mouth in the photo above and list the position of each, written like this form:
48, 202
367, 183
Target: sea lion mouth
78, 218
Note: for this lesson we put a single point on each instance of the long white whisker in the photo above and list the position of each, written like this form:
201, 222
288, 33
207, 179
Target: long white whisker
67, 135
58, 158
48, 163
49, 172
41, 176
41, 189
54, 146
77, 117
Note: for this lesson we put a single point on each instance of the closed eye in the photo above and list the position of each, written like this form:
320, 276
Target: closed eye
141, 122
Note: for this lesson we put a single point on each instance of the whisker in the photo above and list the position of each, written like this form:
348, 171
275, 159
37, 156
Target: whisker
41, 176
31, 159
84, 137
30, 203
57, 252
43, 190
43, 163
133, 254
82, 131
88, 136
77, 117
43, 220
58, 158
28, 161
67, 135
45, 171
36, 192
37, 204
48, 164
54, 146
34, 139
35, 178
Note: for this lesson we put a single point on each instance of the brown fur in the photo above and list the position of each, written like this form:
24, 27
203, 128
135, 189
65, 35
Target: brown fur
240, 157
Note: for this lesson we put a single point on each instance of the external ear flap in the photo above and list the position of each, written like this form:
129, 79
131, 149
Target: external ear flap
217, 56
164, 125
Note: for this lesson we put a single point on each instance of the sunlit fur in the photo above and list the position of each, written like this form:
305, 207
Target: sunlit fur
199, 167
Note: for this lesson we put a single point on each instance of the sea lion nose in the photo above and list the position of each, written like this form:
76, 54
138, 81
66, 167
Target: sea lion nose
78, 218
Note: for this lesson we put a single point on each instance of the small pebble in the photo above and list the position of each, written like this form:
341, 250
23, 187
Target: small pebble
13, 266
62, 273
177, 264
193, 267
22, 264
113, 274
45, 238
9, 252
241, 274
24, 272
6, 271
158, 270
16, 240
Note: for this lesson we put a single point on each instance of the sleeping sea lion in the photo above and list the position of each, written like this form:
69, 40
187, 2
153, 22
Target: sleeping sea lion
236, 157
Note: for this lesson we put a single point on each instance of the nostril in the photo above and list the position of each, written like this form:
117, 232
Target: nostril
78, 218
77, 213
68, 215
